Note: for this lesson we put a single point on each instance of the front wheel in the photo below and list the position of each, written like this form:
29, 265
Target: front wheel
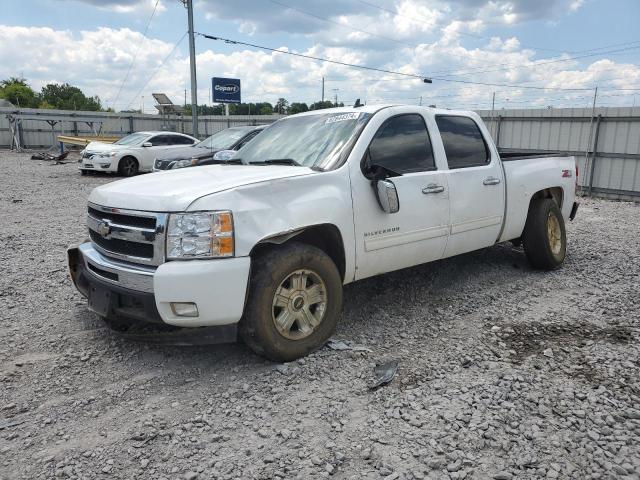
128, 167
295, 301
544, 237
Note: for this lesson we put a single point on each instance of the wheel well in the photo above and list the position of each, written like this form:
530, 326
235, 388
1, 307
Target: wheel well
326, 237
555, 193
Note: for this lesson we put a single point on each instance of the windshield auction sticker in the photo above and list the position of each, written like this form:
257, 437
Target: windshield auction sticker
343, 117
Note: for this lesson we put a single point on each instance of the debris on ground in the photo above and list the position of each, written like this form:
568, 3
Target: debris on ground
344, 345
384, 373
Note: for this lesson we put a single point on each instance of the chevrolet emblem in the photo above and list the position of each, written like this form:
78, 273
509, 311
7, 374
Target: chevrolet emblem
104, 229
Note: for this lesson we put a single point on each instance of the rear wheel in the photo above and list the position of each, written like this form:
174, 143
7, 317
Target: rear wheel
545, 237
128, 167
295, 301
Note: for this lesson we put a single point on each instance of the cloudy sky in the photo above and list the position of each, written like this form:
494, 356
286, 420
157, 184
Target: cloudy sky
471, 49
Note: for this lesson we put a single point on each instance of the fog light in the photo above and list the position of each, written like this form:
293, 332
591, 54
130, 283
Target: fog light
105, 165
184, 309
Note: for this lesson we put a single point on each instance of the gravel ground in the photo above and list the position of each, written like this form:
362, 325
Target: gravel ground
504, 372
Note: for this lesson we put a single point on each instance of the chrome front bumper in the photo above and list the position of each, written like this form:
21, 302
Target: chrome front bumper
218, 287
132, 277
113, 290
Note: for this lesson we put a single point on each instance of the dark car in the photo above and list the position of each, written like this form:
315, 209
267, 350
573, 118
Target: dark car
202, 153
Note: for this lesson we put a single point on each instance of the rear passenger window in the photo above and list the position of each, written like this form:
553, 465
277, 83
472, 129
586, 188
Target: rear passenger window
402, 145
180, 140
463, 142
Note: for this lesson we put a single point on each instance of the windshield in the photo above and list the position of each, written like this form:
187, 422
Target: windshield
308, 140
225, 139
132, 139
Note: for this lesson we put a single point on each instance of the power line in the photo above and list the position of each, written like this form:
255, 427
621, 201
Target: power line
157, 69
453, 72
483, 37
392, 72
349, 27
522, 45
135, 55
310, 57
546, 62
449, 72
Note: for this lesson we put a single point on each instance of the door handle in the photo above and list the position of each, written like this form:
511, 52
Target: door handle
491, 181
433, 188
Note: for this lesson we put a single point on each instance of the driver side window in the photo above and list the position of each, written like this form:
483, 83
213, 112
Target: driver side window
402, 145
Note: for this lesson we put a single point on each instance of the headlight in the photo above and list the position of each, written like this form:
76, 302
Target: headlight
200, 235
108, 154
181, 164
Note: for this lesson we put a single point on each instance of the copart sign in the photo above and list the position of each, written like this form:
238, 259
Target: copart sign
226, 90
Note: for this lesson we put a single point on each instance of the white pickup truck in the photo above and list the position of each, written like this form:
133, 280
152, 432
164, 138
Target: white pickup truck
262, 245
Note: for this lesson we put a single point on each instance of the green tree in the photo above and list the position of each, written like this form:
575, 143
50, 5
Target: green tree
17, 91
297, 107
67, 97
282, 105
264, 108
321, 105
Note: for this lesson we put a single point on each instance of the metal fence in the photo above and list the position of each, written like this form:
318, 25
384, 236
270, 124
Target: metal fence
39, 128
606, 141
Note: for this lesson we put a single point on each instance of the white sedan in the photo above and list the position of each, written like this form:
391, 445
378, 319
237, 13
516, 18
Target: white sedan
131, 154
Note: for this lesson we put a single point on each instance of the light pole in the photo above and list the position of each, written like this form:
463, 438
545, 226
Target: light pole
192, 65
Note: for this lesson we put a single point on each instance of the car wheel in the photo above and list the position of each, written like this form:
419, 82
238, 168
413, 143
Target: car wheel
294, 302
128, 167
544, 237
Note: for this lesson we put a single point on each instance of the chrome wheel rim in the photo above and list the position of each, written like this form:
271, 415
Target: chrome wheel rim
554, 234
299, 304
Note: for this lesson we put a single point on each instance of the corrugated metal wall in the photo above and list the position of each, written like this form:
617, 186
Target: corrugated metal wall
612, 171
38, 133
607, 144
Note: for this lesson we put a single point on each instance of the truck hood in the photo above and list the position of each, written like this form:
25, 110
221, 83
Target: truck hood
175, 190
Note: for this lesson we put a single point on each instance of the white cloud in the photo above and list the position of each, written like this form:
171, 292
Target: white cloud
124, 6
429, 40
576, 5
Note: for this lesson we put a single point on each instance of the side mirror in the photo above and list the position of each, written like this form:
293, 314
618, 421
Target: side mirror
224, 155
147, 144
387, 196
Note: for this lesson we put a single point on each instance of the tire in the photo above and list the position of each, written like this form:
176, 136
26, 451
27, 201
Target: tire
128, 167
83, 172
298, 273
544, 237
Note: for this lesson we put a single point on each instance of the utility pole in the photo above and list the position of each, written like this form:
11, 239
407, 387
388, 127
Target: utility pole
586, 151
493, 106
420, 100
142, 106
336, 96
323, 89
192, 64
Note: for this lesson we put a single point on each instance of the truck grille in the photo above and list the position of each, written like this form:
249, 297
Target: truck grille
163, 164
133, 236
123, 247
